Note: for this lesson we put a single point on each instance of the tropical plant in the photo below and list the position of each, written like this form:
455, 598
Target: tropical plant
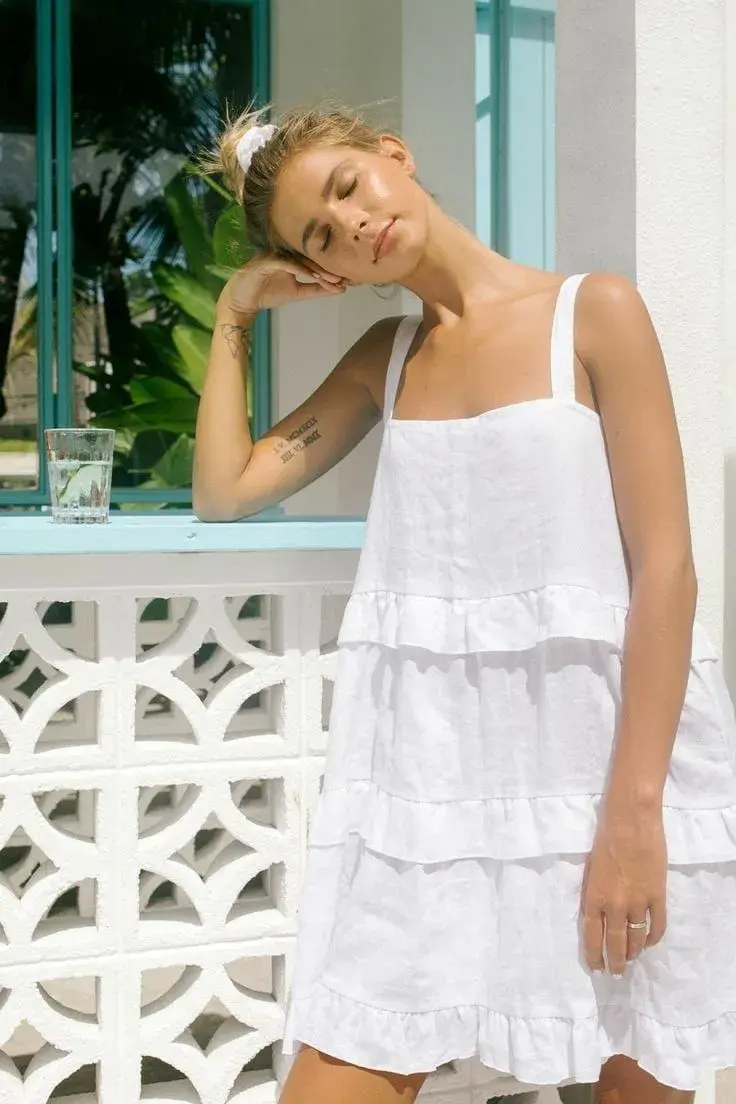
151, 82
154, 411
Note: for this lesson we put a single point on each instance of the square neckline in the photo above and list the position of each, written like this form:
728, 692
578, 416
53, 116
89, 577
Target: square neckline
561, 366
543, 400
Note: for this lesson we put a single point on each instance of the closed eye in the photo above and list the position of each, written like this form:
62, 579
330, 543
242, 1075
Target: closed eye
327, 240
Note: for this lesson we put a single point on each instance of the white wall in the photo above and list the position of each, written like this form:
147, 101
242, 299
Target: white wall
640, 101
438, 99
729, 360
680, 246
415, 67
596, 143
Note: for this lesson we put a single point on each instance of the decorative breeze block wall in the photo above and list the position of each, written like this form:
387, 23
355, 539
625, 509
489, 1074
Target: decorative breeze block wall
162, 734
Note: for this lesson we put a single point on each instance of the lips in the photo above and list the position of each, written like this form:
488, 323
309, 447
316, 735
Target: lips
378, 243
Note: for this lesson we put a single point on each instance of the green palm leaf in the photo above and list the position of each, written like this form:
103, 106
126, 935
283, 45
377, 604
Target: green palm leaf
185, 290
193, 346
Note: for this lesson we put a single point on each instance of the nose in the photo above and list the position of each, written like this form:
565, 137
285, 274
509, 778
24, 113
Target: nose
352, 224
360, 224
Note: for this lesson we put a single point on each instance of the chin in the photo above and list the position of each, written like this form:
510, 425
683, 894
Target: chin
400, 265
397, 269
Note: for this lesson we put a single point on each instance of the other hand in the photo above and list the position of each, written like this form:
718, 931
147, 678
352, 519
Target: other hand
624, 882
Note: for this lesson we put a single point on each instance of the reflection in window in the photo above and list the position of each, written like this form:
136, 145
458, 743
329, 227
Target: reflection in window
152, 244
515, 146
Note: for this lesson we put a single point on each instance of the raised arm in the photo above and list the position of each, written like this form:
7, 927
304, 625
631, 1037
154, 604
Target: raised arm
233, 477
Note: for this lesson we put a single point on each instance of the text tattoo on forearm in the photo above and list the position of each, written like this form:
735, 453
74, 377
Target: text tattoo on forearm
298, 440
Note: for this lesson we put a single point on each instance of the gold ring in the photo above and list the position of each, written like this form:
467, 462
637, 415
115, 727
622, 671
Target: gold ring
637, 927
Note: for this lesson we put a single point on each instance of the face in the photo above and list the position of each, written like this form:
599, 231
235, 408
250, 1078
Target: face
357, 214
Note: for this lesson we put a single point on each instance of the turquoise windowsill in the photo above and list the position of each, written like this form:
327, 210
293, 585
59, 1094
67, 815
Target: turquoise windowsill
33, 535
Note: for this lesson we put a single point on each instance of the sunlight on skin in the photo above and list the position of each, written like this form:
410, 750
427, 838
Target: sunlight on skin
624, 1082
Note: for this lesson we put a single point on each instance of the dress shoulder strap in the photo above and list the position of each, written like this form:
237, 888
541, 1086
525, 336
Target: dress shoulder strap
405, 334
562, 355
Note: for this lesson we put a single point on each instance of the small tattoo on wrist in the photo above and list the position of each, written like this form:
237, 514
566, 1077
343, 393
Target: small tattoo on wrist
235, 336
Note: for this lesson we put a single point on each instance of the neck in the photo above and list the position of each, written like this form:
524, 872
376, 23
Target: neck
456, 269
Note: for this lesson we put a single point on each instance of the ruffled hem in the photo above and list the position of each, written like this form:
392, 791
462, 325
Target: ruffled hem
504, 622
538, 1051
501, 828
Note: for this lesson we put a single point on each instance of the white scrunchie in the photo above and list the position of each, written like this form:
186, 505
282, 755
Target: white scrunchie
254, 139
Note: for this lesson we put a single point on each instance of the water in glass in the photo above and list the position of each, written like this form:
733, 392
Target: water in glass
80, 472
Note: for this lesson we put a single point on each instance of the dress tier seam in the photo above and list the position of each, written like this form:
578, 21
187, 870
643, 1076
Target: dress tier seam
534, 797
489, 597
524, 1019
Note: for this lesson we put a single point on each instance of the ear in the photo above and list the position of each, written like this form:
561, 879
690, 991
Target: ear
393, 147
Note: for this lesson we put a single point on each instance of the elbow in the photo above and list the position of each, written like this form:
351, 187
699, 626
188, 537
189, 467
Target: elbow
692, 582
686, 578
213, 498
221, 507
224, 500
212, 508
209, 512
676, 574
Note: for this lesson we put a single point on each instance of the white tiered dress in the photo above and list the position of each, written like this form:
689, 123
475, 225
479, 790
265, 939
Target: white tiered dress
472, 725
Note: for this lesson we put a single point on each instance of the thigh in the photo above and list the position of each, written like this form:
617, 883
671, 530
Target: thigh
316, 1078
622, 1081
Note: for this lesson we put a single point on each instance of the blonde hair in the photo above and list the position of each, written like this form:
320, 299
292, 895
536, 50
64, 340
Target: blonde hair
296, 131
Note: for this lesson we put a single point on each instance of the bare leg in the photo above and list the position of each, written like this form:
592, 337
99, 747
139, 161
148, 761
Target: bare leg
315, 1078
622, 1081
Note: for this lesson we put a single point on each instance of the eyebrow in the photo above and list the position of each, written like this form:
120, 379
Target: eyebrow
311, 226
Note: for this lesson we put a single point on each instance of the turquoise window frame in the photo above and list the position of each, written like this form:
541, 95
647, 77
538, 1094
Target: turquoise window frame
516, 157
54, 225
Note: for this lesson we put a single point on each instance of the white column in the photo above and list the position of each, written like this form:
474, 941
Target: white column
438, 91
640, 117
595, 135
729, 362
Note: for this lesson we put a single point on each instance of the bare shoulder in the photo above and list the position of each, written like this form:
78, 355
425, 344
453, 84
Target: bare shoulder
618, 346
610, 312
608, 291
617, 343
367, 360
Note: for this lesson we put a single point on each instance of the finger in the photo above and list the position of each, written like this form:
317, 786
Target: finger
333, 281
636, 938
317, 278
307, 274
328, 277
657, 920
616, 941
318, 291
593, 934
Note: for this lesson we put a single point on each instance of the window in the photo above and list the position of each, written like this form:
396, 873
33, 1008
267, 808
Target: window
515, 148
112, 251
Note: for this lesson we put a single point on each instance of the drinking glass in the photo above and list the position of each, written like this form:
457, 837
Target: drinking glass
80, 473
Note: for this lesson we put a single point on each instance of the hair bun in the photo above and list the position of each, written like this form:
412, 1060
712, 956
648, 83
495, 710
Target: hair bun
245, 131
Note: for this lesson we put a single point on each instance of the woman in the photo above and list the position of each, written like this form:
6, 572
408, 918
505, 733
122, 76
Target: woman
525, 847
